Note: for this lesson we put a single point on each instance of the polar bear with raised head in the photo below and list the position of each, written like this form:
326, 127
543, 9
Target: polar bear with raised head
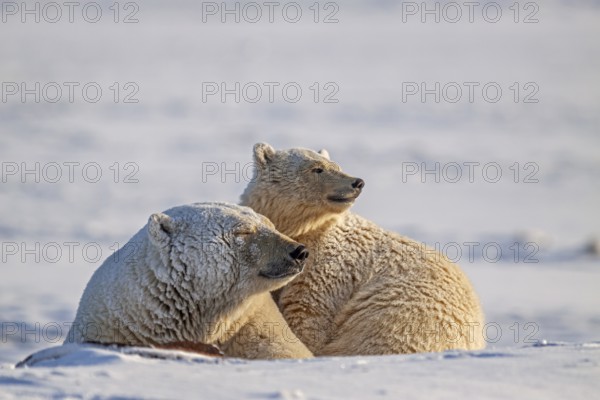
364, 290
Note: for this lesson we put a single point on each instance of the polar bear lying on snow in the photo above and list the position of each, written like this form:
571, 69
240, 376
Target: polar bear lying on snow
364, 290
199, 274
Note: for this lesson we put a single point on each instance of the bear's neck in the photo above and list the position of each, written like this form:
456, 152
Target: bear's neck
296, 222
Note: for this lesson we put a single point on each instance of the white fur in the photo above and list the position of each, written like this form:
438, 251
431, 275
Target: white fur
192, 275
364, 290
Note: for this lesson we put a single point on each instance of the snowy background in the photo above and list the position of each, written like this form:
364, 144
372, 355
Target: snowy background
178, 143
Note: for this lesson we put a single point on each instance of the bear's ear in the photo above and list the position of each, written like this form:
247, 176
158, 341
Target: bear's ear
324, 153
160, 229
263, 154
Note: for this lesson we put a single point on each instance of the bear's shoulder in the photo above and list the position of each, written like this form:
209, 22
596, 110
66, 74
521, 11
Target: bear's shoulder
353, 225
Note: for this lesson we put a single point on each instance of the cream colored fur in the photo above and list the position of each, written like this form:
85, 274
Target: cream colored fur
194, 274
364, 290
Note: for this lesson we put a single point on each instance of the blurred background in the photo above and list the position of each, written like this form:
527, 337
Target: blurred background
476, 129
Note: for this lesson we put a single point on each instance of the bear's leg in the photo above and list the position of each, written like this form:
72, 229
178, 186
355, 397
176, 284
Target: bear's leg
391, 321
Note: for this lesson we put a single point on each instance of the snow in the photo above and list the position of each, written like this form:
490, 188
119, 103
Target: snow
561, 370
166, 144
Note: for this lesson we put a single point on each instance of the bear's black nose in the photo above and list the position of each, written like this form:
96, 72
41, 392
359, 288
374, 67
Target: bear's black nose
358, 183
300, 253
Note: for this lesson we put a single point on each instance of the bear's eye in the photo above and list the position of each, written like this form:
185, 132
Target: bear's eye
317, 170
244, 232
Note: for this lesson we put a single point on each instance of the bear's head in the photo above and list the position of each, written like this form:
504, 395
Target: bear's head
219, 254
299, 189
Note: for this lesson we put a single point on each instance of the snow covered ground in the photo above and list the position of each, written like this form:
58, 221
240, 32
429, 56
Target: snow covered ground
526, 238
556, 369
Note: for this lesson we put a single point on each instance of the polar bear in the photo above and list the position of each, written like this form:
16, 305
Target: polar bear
364, 291
195, 275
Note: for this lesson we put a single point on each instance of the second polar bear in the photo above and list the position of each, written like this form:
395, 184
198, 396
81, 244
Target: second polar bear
195, 276
364, 291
